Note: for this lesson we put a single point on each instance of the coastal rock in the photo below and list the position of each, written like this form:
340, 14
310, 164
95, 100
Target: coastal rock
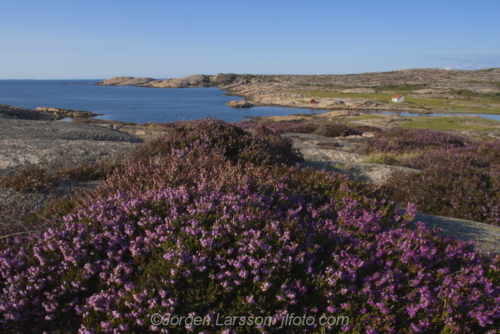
224, 78
60, 113
125, 81
193, 80
240, 104
10, 112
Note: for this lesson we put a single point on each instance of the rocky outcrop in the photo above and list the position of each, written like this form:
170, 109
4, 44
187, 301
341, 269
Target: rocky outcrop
290, 90
125, 81
47, 114
43, 143
191, 81
60, 113
239, 104
362, 172
10, 112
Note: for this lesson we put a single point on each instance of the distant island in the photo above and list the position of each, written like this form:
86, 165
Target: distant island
424, 90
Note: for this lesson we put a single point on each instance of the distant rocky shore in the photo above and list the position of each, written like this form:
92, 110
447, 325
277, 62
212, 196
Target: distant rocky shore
351, 91
41, 113
191, 81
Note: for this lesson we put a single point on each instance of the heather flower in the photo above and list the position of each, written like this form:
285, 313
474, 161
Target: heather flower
193, 231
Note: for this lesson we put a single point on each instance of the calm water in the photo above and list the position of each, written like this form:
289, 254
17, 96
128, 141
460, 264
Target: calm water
139, 105
131, 104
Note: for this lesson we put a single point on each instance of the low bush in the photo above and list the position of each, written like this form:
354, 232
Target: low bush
367, 128
292, 127
197, 229
336, 130
33, 178
263, 147
411, 140
328, 145
383, 158
248, 249
459, 182
282, 127
29, 178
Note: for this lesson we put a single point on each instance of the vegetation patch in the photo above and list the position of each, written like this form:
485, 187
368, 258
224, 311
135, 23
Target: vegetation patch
214, 221
194, 225
443, 123
336, 130
462, 182
402, 88
283, 127
411, 140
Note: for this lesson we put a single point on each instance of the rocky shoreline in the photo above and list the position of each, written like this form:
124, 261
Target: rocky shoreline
42, 113
341, 92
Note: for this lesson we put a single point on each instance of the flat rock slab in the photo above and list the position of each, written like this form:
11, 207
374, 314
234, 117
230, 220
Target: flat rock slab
57, 153
53, 144
15, 206
50, 130
351, 147
362, 172
486, 236
330, 155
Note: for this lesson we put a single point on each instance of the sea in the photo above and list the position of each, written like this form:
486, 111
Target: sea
132, 104
141, 105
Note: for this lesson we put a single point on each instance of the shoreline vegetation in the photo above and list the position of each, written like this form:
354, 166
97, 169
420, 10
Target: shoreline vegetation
425, 91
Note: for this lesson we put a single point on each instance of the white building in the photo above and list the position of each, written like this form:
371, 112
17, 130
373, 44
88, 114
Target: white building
398, 98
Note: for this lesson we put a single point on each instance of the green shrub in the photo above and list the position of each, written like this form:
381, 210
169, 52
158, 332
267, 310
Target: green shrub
336, 130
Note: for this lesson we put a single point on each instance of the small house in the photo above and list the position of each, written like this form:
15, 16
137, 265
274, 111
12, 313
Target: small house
398, 98
314, 101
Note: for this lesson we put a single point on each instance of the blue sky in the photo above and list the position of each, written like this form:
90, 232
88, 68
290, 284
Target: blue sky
54, 39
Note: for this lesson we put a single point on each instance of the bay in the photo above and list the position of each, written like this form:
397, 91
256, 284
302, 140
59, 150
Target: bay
141, 105
131, 104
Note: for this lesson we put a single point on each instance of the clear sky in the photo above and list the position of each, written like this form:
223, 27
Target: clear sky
71, 39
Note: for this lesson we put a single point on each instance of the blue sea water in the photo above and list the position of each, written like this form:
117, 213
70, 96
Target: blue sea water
131, 104
139, 105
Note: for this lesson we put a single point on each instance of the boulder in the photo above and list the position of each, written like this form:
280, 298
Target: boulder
240, 104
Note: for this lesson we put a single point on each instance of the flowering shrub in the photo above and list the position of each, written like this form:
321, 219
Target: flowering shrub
301, 127
292, 127
194, 231
462, 182
336, 130
367, 128
249, 251
263, 147
282, 127
407, 140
